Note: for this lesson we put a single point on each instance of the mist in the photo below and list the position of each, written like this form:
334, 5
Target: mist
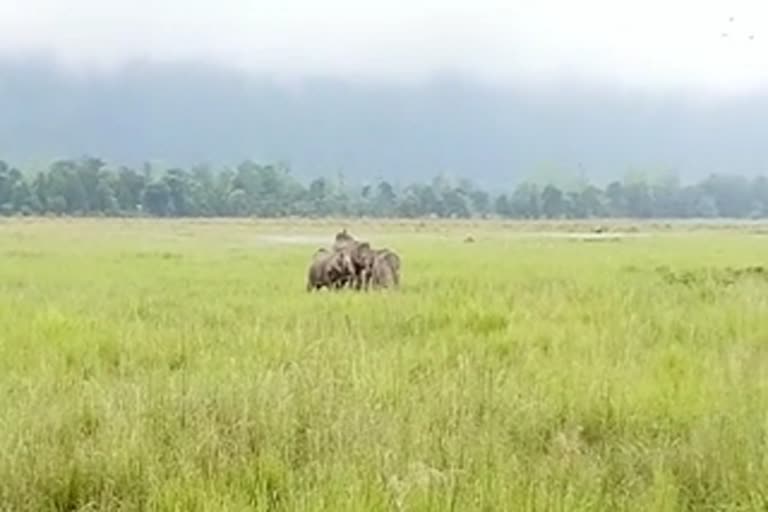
497, 91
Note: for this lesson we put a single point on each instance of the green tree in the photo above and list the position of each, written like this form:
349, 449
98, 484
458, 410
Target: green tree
455, 204
552, 202
732, 195
617, 202
105, 199
64, 184
525, 201
181, 202
705, 206
88, 186
5, 186
319, 197
157, 199
88, 171
593, 201
40, 192
129, 189
384, 200
410, 205
238, 203
21, 198
638, 199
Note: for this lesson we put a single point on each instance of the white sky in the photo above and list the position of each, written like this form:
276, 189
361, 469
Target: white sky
645, 43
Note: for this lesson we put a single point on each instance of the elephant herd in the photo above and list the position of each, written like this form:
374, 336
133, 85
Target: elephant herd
354, 264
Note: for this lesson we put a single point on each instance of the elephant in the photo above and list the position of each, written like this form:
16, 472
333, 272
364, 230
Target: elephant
343, 235
393, 260
363, 259
360, 253
362, 256
382, 273
328, 269
391, 256
343, 241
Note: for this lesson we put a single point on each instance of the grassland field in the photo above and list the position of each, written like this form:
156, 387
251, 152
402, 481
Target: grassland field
181, 366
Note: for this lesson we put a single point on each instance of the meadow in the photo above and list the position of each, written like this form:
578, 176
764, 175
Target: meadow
181, 365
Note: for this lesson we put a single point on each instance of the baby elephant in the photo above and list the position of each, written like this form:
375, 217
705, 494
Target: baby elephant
328, 269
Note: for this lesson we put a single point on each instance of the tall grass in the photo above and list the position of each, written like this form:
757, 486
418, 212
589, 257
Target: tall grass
181, 366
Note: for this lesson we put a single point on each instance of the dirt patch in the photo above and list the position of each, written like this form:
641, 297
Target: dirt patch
297, 239
600, 238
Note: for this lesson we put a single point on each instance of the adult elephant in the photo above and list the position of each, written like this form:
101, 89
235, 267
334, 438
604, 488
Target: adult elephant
343, 237
360, 253
385, 269
393, 260
328, 269
362, 256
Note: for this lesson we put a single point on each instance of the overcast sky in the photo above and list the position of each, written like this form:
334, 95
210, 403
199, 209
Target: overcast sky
652, 44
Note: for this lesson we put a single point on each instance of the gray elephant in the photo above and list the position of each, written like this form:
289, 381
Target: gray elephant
344, 241
382, 274
360, 253
343, 236
394, 261
328, 269
362, 256
385, 270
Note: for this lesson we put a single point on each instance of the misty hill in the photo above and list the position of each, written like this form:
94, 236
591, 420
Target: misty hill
185, 113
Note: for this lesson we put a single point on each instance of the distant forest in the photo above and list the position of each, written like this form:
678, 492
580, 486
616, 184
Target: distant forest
89, 187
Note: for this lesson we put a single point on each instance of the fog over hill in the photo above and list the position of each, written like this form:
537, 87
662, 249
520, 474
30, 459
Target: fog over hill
494, 90
185, 113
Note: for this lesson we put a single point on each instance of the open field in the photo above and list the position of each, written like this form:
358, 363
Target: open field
180, 365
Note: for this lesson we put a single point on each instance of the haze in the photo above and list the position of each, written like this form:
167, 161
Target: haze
485, 88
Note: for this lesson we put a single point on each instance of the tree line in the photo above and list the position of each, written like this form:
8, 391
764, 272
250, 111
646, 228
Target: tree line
88, 186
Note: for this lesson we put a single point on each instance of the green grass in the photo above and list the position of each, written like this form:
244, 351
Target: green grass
148, 365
